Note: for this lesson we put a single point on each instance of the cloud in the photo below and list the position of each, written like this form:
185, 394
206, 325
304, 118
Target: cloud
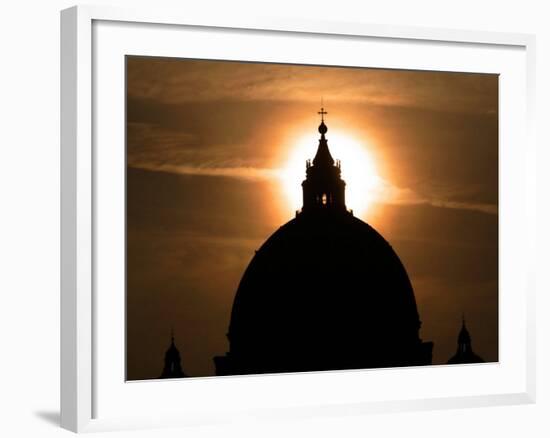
229, 119
178, 81
246, 173
386, 193
406, 196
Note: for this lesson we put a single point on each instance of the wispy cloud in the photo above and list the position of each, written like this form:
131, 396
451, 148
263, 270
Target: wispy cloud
246, 173
391, 194
173, 81
386, 192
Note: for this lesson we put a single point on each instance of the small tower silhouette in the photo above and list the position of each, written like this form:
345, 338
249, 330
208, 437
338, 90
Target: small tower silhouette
172, 362
464, 352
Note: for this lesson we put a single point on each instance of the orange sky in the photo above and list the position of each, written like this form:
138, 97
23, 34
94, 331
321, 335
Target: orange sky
207, 142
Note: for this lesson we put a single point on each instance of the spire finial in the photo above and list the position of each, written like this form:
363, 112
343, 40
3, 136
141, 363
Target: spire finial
172, 333
322, 127
322, 112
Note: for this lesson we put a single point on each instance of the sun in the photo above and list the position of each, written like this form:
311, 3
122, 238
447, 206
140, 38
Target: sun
358, 170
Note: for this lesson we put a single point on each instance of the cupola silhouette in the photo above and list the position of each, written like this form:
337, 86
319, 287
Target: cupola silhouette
172, 362
323, 187
325, 292
464, 352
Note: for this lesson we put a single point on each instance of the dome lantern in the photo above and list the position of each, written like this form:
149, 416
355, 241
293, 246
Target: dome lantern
323, 188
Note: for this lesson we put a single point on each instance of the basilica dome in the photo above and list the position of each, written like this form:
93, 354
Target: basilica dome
325, 292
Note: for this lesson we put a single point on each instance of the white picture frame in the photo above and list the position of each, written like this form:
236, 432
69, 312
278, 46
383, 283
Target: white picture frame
85, 375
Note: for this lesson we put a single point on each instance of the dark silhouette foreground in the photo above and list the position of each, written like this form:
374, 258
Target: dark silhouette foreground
324, 292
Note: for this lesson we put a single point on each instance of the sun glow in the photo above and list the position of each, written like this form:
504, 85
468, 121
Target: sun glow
358, 170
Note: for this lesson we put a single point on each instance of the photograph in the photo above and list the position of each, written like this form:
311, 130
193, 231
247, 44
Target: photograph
288, 218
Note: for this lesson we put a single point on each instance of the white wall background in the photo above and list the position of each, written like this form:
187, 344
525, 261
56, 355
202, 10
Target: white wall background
29, 216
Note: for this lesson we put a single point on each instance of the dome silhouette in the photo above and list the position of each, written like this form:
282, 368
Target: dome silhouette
325, 292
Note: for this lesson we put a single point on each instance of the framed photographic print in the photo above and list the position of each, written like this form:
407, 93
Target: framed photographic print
281, 219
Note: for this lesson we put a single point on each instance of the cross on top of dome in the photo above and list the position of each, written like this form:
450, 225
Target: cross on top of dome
323, 156
322, 127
